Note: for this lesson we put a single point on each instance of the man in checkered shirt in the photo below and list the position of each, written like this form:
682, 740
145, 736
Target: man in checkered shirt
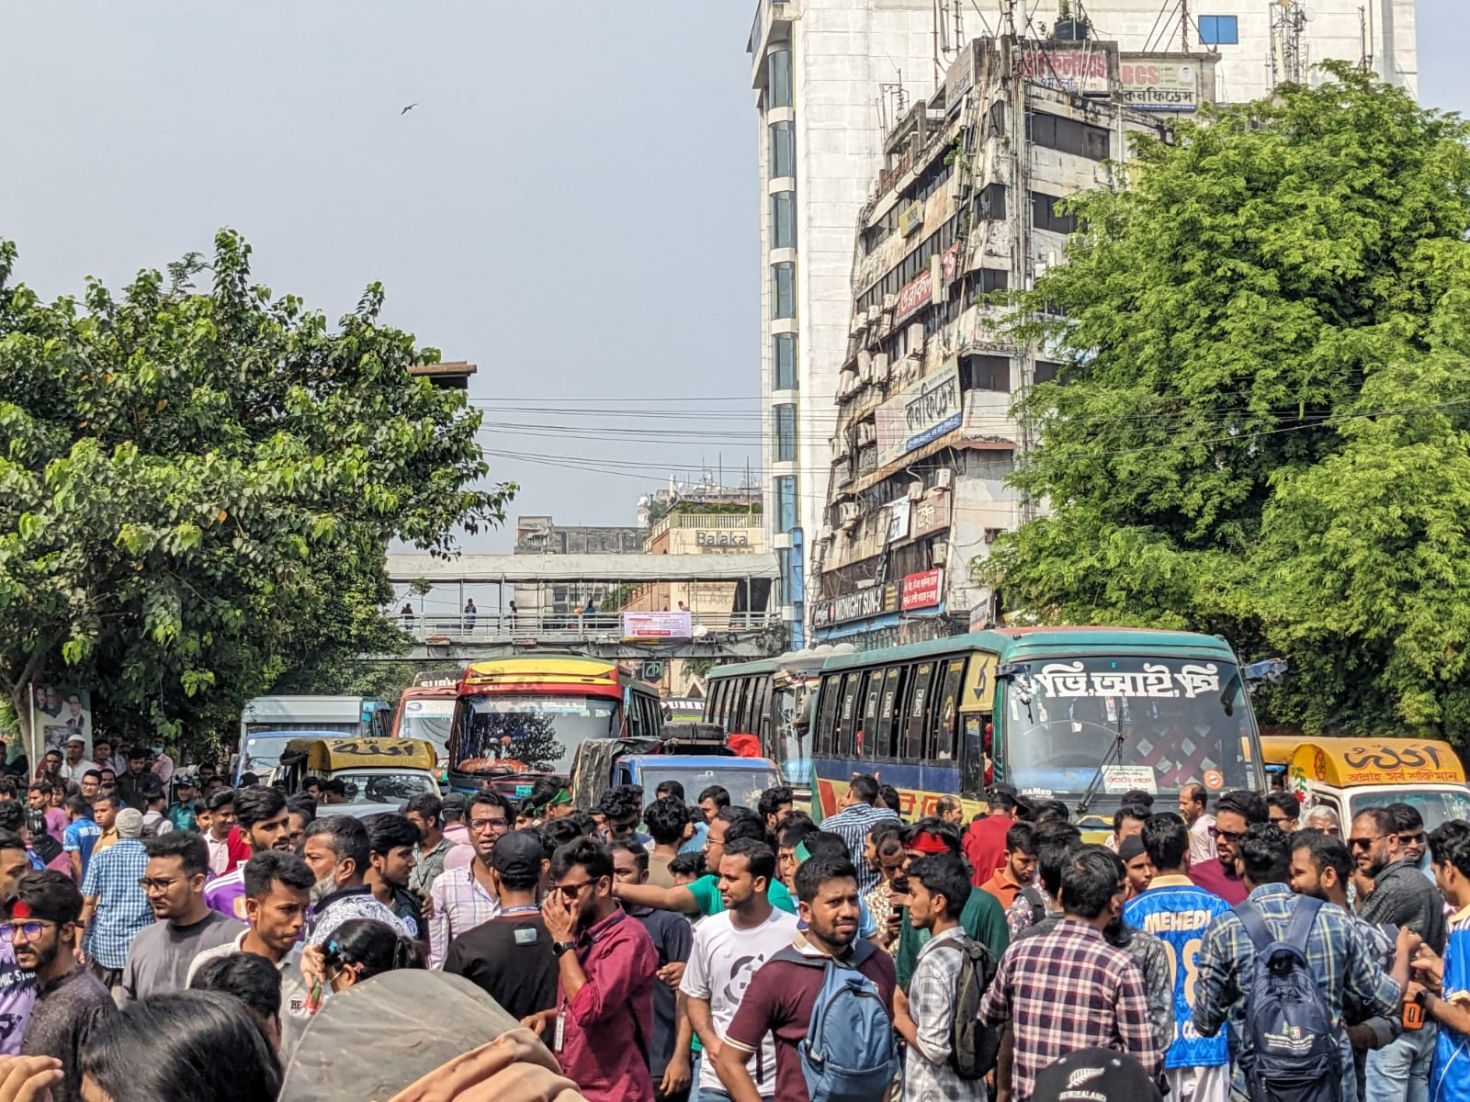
853, 823
1068, 989
114, 907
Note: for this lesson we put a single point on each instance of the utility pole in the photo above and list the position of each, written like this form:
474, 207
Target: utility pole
1184, 25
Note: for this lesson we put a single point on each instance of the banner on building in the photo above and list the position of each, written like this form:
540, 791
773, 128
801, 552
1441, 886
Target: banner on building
923, 412
657, 625
865, 604
931, 514
1083, 71
914, 295
959, 78
898, 520
57, 713
1159, 84
923, 590
910, 218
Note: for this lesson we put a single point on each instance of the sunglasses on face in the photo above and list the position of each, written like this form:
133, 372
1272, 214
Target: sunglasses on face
1412, 839
1226, 835
569, 892
1361, 843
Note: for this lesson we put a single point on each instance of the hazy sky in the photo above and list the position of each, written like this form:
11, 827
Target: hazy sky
572, 204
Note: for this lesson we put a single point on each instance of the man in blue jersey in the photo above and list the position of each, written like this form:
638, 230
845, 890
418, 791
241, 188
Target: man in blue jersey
1179, 913
1449, 1078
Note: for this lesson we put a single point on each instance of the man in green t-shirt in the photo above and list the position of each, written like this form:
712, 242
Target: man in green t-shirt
982, 917
703, 896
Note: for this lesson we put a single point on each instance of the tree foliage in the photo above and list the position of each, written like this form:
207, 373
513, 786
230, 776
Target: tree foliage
200, 484
1261, 426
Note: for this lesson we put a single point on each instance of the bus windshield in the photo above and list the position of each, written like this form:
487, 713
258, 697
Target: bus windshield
1180, 720
537, 733
428, 719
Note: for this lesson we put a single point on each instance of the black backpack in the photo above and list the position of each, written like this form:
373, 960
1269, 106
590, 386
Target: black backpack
973, 1046
1290, 1051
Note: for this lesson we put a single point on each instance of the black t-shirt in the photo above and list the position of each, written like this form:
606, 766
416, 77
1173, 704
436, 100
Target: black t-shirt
510, 958
673, 937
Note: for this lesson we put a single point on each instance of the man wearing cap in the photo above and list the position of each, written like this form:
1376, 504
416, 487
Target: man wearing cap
181, 811
70, 1001
76, 764
114, 907
1096, 1075
510, 956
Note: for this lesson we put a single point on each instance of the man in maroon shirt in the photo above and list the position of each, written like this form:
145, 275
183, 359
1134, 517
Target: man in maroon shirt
602, 1025
985, 842
1234, 811
781, 995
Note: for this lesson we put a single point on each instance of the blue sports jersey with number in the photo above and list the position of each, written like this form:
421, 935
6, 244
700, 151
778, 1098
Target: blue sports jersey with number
1449, 1076
1179, 914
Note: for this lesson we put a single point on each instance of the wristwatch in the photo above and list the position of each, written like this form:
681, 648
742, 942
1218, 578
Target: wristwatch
560, 947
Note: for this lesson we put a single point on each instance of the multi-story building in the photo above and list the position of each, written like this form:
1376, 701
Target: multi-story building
833, 77
540, 535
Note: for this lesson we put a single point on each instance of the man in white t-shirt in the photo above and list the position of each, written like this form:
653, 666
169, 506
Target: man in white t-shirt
728, 948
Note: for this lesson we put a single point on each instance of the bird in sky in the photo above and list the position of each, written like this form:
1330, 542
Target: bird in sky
407, 109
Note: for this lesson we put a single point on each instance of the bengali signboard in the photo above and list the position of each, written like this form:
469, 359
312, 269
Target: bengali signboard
1159, 84
1083, 71
914, 296
657, 625
959, 79
910, 218
923, 590
923, 412
865, 604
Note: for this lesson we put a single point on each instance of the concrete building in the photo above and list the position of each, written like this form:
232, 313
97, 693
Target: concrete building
965, 203
540, 535
832, 79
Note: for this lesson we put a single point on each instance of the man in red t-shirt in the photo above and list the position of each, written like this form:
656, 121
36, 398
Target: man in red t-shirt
985, 842
781, 995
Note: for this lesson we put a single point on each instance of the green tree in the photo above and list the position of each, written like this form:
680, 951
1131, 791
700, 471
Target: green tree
200, 485
1259, 424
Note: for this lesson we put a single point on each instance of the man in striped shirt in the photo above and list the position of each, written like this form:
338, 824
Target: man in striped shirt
853, 822
1068, 989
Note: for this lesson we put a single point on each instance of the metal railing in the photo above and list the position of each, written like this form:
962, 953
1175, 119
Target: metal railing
567, 627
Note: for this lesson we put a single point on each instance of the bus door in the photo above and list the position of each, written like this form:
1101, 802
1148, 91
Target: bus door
976, 713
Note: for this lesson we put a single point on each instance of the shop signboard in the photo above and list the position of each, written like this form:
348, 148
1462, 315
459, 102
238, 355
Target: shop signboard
865, 604
923, 412
1159, 84
1083, 71
657, 625
923, 590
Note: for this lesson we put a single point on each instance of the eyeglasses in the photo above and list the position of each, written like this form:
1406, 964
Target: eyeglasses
570, 892
489, 824
157, 884
30, 931
1361, 843
1412, 839
1227, 835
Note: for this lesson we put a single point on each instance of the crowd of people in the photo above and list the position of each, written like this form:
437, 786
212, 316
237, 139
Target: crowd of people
683, 948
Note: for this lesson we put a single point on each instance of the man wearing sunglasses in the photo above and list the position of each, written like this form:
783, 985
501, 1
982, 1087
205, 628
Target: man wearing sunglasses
1234, 812
70, 1001
1402, 898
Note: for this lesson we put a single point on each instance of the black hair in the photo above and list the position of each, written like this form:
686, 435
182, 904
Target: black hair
310, 780
772, 798
256, 805
716, 792
793, 834
818, 871
885, 828
669, 788
945, 832
1326, 852
93, 773
582, 820
302, 805
1245, 803
1052, 853
78, 806
187, 846
1405, 818
741, 822
249, 780
759, 857
1129, 811
334, 786
488, 798
389, 830
167, 1048
1021, 838
582, 853
1449, 844
252, 979
430, 806
1265, 855
43, 787
623, 804
864, 788
1284, 802
105, 798
945, 874
1380, 817
11, 840
372, 944
824, 843
666, 819
1165, 840
688, 864
1138, 797
50, 895
889, 798
1090, 878
640, 854
266, 868
12, 816
1049, 811
1001, 800
219, 798
347, 837
556, 833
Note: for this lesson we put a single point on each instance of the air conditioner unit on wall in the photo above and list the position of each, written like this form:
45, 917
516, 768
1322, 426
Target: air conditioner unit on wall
916, 490
940, 555
944, 478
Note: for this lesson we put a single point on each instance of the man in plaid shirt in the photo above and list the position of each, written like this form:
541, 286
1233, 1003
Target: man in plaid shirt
860, 811
1068, 989
1341, 959
114, 907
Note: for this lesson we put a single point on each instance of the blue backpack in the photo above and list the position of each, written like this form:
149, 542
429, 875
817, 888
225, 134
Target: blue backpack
1290, 1051
849, 1053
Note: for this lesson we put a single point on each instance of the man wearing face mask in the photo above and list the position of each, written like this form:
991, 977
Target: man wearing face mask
264, 825
338, 851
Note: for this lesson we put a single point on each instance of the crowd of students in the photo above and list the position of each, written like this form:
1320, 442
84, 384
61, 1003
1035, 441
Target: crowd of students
703, 950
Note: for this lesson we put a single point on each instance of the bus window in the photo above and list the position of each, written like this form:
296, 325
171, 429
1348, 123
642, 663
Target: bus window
712, 703
851, 694
918, 713
872, 697
886, 746
761, 713
946, 714
827, 714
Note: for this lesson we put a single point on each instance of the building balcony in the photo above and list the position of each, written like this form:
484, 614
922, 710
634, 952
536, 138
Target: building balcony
772, 24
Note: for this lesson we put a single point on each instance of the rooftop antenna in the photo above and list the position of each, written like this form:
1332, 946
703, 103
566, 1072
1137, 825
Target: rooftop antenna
1288, 21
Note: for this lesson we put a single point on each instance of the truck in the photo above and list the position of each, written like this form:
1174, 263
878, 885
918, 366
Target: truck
694, 754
